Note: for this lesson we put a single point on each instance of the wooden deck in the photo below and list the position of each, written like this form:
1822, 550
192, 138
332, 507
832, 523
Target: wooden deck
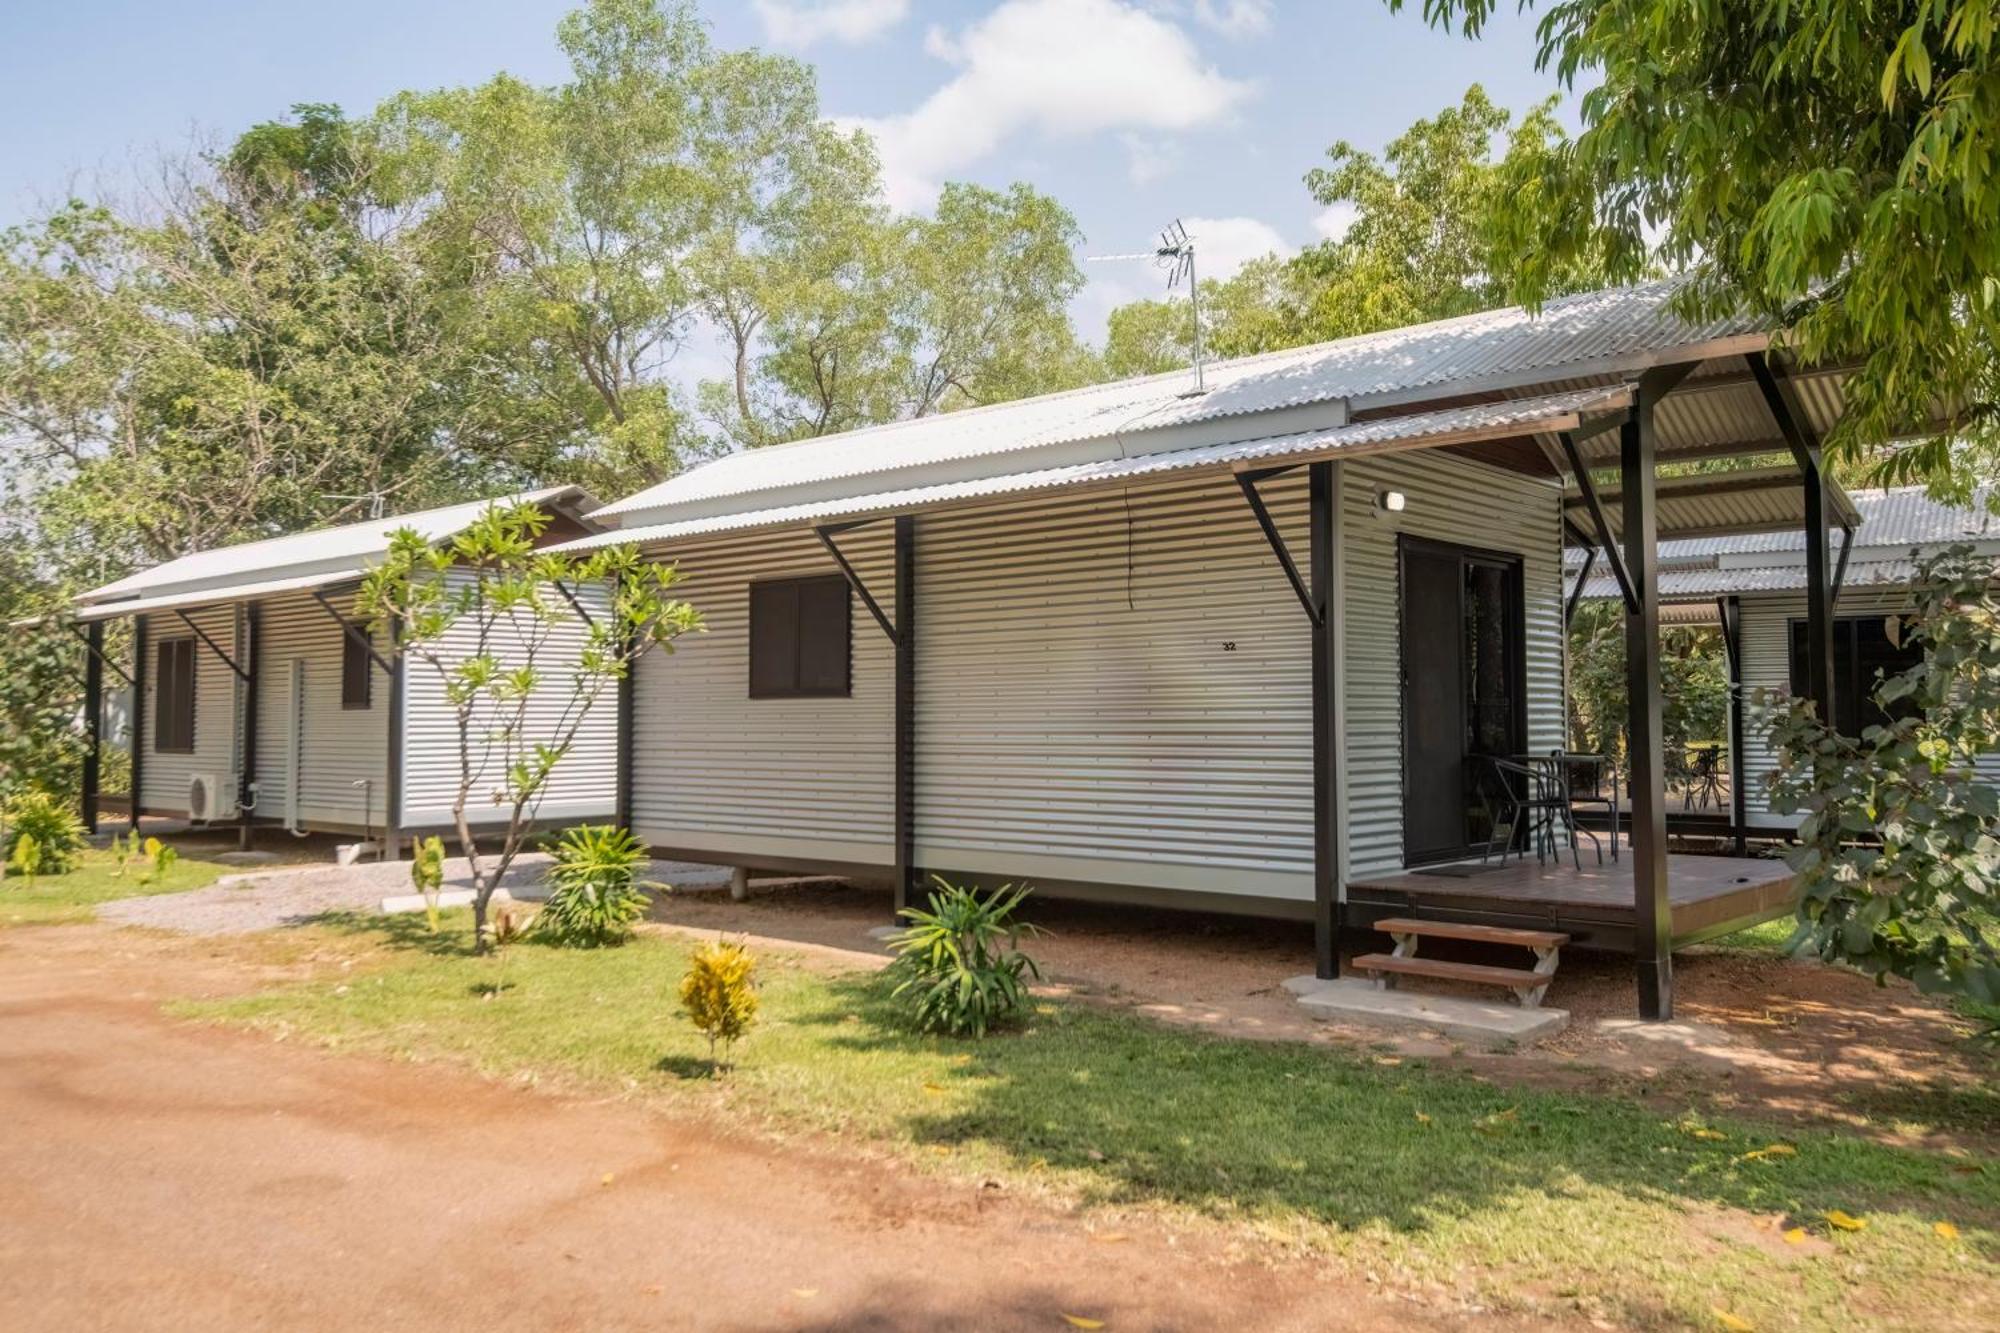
1711, 895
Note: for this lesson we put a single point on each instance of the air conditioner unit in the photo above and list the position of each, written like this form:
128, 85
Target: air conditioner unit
211, 796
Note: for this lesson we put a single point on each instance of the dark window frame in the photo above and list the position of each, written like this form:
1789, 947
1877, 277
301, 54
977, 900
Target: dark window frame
1854, 709
175, 695
799, 587
357, 661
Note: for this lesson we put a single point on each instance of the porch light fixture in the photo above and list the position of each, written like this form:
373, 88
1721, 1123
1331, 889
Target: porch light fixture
1391, 502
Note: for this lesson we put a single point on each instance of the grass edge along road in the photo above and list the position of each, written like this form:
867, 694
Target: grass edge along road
1437, 1180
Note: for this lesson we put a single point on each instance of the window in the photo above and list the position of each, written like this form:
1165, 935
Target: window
1861, 648
357, 671
799, 638
173, 693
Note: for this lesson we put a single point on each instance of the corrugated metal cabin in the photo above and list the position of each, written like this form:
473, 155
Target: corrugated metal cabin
1228, 648
261, 703
1752, 587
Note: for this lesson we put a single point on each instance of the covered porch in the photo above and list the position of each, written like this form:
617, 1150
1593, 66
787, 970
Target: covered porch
1596, 905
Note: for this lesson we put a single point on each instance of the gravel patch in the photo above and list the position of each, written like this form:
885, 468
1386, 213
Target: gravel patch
292, 896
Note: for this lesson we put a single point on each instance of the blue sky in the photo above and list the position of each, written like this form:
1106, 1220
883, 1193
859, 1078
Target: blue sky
1132, 112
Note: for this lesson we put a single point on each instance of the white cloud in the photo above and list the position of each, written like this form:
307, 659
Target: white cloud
1224, 245
1148, 160
801, 23
1063, 68
1333, 221
1234, 18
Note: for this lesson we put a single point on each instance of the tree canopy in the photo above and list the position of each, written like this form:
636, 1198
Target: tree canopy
1832, 165
1414, 248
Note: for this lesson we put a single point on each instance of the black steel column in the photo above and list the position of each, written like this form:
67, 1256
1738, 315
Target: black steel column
1819, 597
138, 714
93, 721
1326, 776
908, 891
392, 817
1730, 611
253, 659
627, 695
1652, 939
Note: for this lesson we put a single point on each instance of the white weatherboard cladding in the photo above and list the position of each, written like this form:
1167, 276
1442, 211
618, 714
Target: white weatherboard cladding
1767, 666
338, 747
164, 777
807, 779
1449, 499
1115, 688
584, 783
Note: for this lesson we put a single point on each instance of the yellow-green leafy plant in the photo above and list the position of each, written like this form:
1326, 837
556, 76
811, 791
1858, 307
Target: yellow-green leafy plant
597, 894
427, 875
27, 858
959, 968
124, 851
161, 857
57, 832
719, 995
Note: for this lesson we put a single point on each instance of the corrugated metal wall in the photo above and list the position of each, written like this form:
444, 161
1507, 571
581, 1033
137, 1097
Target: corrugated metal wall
1767, 665
584, 784
1112, 687
165, 776
340, 746
807, 779
1115, 687
1454, 500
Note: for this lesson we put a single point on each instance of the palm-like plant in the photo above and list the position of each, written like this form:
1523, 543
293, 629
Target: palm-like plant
959, 967
597, 893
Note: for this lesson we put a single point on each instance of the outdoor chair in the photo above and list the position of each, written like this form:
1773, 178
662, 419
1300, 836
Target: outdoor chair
1584, 780
1530, 796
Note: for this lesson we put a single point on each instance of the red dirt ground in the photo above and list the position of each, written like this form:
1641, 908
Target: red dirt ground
156, 1174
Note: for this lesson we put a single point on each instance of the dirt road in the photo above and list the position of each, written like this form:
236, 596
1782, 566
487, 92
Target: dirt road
155, 1174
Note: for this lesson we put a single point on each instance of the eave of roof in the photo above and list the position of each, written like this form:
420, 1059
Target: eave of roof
1459, 425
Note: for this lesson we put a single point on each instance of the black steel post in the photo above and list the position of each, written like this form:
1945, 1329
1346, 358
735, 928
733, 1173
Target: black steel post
627, 699
1652, 940
1326, 777
1819, 596
252, 653
93, 721
905, 832
1730, 610
138, 715
392, 814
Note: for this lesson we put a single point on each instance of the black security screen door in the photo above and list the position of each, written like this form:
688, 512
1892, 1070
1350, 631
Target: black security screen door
1463, 692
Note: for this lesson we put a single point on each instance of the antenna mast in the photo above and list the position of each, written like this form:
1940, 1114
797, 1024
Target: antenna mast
1175, 254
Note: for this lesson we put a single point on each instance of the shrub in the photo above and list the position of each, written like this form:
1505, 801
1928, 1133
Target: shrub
1898, 856
163, 859
959, 968
597, 892
718, 995
427, 875
49, 821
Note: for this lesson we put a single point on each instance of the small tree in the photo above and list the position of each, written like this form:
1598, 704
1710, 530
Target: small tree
1899, 855
491, 618
718, 994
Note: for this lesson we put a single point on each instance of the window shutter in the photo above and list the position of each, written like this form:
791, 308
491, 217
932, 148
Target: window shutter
173, 722
356, 672
824, 628
774, 638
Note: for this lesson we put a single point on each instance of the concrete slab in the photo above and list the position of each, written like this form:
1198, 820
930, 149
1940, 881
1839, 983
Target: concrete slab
1305, 984
1478, 1022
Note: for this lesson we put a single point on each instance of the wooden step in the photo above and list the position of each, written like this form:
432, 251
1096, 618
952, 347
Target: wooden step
1513, 978
1452, 930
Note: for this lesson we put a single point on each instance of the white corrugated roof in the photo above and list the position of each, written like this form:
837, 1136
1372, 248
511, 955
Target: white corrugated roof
231, 592
1709, 581
1588, 334
1484, 421
1745, 500
1901, 516
306, 555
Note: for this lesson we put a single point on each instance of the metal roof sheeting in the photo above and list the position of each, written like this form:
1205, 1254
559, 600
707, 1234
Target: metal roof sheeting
1709, 581
1899, 516
324, 551
1483, 421
186, 601
1745, 500
1595, 333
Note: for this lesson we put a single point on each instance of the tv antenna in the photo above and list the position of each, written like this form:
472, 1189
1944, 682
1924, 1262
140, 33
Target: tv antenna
1175, 254
377, 502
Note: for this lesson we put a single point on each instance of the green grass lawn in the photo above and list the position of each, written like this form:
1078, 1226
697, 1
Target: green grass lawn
66, 899
1427, 1175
